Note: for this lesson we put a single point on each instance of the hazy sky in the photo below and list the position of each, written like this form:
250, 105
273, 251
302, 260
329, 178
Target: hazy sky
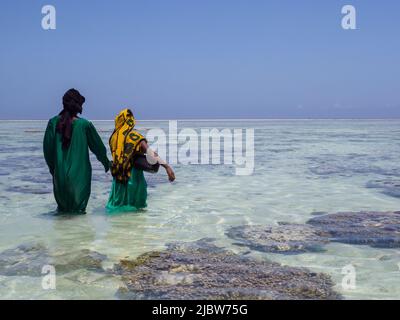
201, 59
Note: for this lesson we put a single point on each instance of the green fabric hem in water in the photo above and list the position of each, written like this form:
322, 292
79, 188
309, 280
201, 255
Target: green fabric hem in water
130, 196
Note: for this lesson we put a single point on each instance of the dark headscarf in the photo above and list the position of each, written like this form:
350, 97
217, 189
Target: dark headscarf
72, 102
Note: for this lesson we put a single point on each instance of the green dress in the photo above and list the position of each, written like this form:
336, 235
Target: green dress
71, 168
131, 196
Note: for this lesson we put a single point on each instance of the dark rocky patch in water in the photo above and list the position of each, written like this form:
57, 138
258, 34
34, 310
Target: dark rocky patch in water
203, 271
24, 260
285, 238
29, 259
83, 259
348, 165
35, 189
384, 172
204, 244
377, 229
326, 169
389, 187
318, 213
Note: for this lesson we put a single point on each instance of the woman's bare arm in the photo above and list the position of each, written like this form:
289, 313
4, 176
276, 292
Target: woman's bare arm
145, 148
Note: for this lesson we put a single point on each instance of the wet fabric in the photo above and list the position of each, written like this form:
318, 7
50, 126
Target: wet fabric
124, 143
130, 196
129, 187
71, 168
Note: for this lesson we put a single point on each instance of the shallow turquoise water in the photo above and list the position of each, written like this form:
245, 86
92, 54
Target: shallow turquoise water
302, 166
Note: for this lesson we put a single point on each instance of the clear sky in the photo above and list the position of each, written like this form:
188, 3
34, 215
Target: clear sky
172, 59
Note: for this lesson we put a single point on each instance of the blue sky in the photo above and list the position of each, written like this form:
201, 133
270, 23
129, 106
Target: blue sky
201, 59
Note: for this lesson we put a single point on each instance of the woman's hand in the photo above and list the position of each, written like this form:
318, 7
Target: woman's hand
154, 155
170, 172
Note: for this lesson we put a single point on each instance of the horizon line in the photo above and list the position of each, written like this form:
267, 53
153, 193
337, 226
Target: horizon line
214, 119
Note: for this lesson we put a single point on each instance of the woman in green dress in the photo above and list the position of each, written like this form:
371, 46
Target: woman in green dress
66, 145
129, 187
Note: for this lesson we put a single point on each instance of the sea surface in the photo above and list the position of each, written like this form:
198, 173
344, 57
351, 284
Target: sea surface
302, 168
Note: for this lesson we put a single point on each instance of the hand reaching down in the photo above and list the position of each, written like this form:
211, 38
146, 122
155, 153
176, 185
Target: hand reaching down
171, 174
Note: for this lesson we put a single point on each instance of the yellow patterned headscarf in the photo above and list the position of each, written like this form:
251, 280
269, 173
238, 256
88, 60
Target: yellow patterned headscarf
124, 142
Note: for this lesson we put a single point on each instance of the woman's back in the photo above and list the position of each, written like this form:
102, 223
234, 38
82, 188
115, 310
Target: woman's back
70, 167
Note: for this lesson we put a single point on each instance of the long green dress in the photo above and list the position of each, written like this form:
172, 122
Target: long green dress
131, 196
71, 168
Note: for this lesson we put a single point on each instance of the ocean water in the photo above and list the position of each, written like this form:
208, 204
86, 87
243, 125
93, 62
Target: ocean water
302, 167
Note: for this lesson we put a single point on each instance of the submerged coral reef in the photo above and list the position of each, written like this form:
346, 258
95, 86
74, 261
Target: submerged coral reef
201, 270
285, 238
376, 229
390, 187
29, 259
